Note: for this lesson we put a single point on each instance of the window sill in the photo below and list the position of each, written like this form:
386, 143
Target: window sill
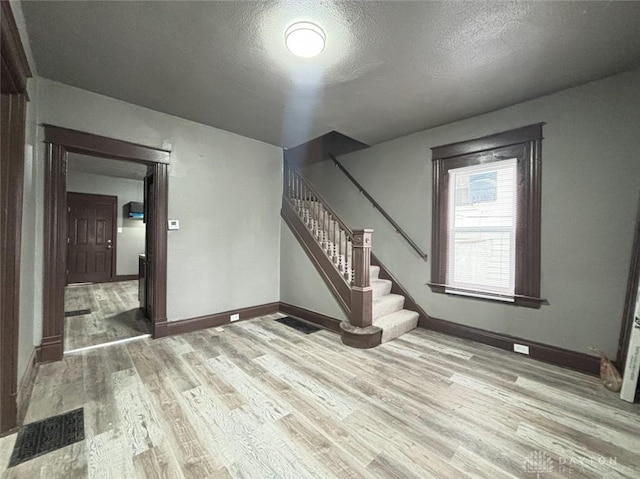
480, 295
516, 299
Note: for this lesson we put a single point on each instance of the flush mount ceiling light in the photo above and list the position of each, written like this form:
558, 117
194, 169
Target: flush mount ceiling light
305, 39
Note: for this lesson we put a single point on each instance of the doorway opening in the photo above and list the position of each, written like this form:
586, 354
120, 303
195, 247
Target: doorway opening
106, 246
96, 264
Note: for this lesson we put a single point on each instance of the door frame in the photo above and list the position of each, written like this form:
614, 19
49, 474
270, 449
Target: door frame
15, 72
114, 230
59, 142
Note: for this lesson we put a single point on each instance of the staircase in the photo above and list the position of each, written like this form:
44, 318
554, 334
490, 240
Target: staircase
342, 255
388, 312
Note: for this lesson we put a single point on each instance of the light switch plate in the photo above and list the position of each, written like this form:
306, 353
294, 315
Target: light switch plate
119, 229
174, 224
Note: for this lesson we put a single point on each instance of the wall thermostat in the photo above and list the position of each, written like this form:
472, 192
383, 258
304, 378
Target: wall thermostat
174, 224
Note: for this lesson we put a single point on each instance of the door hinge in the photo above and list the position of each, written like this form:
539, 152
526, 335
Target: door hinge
68, 240
67, 272
69, 209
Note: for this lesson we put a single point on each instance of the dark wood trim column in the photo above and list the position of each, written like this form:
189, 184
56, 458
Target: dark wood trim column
55, 252
15, 72
12, 172
159, 256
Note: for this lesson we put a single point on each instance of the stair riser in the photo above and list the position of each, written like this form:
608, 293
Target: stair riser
391, 333
380, 288
382, 309
374, 272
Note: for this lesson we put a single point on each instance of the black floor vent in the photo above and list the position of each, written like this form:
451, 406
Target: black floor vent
44, 436
78, 312
301, 326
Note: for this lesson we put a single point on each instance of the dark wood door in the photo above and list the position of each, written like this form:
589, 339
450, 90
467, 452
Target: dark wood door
91, 224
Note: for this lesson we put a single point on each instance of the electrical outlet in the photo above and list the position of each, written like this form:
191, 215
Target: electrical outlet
521, 348
234, 317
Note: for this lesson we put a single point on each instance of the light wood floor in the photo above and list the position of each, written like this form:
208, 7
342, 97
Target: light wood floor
257, 399
115, 314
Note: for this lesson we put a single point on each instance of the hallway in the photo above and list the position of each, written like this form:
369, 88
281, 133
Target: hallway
100, 313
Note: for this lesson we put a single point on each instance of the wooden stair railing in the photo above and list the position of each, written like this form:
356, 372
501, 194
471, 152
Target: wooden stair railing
343, 255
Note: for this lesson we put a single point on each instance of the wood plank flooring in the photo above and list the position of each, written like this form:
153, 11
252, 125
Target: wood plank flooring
257, 399
115, 314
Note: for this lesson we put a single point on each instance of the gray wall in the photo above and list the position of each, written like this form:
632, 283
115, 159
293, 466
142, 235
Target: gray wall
300, 283
224, 188
31, 247
130, 243
590, 173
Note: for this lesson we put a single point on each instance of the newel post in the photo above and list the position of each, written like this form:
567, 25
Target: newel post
361, 290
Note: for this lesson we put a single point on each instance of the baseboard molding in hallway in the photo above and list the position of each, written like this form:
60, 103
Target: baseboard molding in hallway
569, 359
214, 320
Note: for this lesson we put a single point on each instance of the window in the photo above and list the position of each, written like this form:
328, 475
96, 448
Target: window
486, 217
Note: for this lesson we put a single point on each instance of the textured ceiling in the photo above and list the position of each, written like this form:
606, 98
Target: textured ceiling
388, 69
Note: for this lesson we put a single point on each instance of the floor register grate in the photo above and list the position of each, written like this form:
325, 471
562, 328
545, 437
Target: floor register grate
301, 326
45, 436
78, 312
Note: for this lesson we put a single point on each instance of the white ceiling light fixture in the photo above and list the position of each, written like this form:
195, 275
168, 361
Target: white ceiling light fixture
305, 39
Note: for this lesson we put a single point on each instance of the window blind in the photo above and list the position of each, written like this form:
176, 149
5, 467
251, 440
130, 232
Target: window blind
482, 227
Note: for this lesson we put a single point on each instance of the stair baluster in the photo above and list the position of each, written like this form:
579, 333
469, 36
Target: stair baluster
340, 252
335, 250
325, 228
305, 203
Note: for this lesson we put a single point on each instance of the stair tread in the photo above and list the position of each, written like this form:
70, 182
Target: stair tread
395, 317
396, 324
388, 298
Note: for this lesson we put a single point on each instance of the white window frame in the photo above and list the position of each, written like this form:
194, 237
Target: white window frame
476, 289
